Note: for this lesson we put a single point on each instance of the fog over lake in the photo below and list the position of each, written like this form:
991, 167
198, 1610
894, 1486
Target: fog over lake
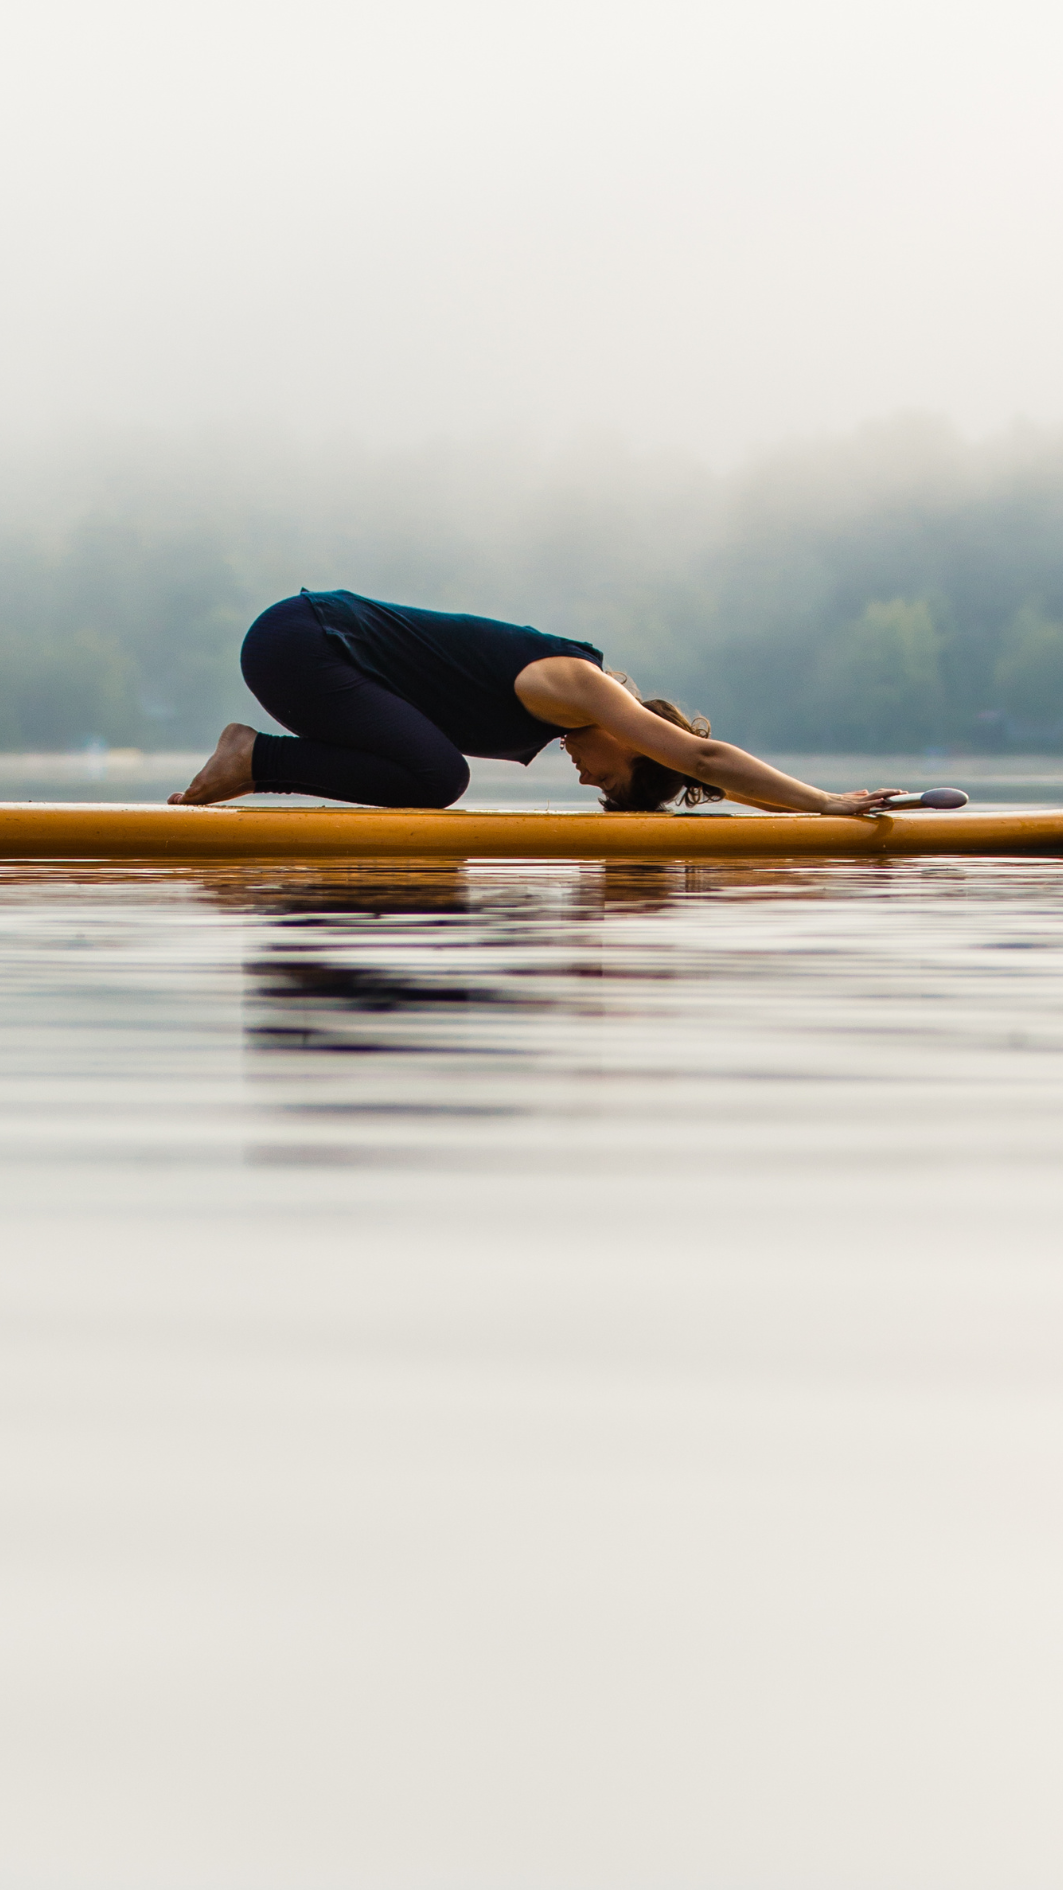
895, 589
705, 225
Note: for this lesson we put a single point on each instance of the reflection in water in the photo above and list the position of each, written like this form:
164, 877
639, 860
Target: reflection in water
573, 1349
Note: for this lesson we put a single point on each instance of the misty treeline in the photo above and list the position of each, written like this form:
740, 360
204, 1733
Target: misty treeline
895, 590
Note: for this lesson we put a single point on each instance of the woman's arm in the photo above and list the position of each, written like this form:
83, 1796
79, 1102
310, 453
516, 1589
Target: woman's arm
573, 694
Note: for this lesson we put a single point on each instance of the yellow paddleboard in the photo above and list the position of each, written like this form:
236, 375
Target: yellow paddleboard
63, 830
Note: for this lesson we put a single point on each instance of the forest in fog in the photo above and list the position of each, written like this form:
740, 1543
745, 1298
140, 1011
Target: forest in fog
898, 589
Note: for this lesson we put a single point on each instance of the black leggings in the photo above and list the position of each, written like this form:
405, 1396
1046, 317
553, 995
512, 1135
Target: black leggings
354, 740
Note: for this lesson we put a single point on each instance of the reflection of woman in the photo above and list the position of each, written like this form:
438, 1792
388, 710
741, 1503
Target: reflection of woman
385, 702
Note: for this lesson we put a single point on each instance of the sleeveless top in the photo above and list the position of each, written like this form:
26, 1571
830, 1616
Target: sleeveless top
458, 670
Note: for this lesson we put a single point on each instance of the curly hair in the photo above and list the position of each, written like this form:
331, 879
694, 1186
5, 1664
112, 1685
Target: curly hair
652, 785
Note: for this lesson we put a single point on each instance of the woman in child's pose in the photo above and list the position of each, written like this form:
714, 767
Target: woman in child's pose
384, 703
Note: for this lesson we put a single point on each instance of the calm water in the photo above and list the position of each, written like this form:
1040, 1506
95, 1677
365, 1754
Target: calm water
544, 1376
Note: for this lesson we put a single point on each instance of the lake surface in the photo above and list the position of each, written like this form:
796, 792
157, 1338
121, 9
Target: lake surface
532, 1376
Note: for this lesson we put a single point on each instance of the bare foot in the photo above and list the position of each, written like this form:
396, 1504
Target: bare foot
226, 774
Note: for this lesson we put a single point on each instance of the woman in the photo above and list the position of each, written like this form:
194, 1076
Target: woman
384, 703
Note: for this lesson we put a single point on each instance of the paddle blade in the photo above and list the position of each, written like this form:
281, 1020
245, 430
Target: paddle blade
934, 797
943, 797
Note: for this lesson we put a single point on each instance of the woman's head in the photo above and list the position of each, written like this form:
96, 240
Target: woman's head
633, 783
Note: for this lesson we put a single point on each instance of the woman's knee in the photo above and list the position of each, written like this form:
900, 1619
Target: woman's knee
446, 782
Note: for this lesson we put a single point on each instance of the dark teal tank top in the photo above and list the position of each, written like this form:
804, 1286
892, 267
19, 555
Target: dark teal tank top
459, 671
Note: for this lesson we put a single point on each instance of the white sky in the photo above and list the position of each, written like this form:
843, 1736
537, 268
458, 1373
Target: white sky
706, 224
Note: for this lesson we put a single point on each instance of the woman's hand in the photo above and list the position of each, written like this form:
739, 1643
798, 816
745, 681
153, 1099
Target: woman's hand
859, 801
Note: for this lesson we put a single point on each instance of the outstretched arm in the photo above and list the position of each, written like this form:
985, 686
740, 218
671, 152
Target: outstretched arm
756, 783
573, 694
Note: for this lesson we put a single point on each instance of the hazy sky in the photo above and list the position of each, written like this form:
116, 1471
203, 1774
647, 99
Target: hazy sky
707, 224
